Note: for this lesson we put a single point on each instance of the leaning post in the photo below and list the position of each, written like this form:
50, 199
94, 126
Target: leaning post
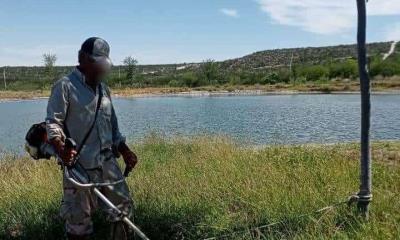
4, 78
365, 195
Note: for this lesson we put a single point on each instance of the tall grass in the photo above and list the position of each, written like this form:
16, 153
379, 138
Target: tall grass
204, 187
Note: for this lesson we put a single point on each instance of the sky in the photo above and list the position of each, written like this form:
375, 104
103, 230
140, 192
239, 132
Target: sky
178, 31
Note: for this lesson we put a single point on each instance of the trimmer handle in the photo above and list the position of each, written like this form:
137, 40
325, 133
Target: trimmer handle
126, 172
70, 143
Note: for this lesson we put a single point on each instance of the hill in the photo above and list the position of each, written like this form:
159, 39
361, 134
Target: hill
300, 65
308, 55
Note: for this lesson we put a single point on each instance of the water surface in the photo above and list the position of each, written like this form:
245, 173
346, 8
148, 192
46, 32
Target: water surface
249, 119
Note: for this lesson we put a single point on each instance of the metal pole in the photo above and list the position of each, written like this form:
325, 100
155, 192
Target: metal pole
364, 194
290, 67
4, 78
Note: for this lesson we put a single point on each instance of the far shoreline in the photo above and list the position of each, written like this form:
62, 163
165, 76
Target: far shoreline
7, 96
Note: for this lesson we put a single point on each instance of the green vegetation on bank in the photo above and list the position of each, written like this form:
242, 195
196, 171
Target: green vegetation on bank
199, 188
298, 66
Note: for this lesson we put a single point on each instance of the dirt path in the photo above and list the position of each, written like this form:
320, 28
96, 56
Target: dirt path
391, 51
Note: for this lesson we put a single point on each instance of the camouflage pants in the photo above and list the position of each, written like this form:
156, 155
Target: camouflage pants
79, 204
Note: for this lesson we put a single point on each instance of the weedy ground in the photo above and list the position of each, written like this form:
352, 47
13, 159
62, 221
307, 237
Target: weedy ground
210, 186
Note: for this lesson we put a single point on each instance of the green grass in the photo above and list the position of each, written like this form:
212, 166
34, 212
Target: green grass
204, 187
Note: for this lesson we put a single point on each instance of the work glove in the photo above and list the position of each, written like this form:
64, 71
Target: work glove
129, 157
67, 155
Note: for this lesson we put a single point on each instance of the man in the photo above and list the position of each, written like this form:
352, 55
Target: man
71, 113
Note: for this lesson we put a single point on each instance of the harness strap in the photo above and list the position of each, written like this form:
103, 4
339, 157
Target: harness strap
94, 121
66, 131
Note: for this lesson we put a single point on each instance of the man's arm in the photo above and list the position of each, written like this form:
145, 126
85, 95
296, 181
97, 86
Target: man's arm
128, 155
57, 110
117, 137
56, 113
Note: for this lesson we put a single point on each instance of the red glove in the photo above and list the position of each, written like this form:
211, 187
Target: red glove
67, 156
129, 157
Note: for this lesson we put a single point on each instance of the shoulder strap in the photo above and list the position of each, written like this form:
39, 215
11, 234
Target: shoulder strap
94, 121
66, 131
65, 128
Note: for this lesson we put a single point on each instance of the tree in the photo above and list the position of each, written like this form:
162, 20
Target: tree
209, 70
130, 63
344, 69
314, 72
271, 78
49, 61
190, 80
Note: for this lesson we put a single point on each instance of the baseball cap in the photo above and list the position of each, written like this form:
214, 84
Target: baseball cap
99, 50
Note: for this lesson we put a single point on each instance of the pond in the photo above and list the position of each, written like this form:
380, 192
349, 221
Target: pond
268, 119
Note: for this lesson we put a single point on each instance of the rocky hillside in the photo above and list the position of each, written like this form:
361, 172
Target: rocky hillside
256, 61
283, 57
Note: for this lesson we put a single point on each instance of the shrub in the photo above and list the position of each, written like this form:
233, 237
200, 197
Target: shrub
313, 73
346, 69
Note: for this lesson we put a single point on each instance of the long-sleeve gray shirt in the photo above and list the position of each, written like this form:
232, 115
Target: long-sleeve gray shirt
72, 103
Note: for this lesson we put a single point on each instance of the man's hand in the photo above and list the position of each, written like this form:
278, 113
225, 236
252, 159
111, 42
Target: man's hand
129, 157
66, 155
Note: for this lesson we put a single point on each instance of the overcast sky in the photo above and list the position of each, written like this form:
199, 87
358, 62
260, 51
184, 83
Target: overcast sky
176, 31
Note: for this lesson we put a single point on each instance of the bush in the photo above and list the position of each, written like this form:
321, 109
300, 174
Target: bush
346, 69
190, 79
174, 83
271, 78
313, 73
387, 68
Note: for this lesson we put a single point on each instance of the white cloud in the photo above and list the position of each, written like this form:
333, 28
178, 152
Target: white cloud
324, 17
393, 32
229, 12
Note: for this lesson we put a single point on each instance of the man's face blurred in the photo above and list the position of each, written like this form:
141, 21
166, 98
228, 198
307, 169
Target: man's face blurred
95, 72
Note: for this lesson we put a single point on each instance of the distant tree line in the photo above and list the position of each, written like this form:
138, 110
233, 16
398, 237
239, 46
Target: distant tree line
207, 73
210, 72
